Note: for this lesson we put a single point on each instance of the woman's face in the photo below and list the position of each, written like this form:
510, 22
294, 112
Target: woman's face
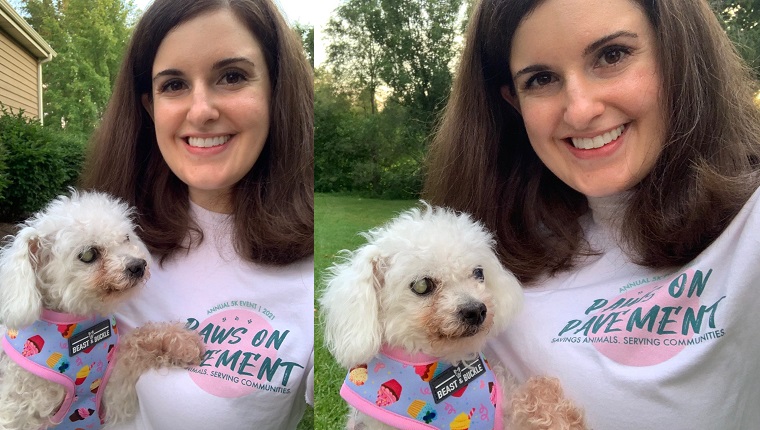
210, 104
588, 87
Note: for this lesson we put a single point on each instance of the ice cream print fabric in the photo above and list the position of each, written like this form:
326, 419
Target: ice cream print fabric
650, 320
243, 343
425, 394
76, 353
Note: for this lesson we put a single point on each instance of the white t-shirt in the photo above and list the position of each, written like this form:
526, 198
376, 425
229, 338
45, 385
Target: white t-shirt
644, 349
258, 325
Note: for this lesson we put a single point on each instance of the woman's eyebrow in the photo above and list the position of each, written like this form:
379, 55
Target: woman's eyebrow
602, 41
216, 66
228, 61
530, 69
167, 72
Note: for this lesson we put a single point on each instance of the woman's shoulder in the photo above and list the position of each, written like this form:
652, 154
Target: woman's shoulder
748, 218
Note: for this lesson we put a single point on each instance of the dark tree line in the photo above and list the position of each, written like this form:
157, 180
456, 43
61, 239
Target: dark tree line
387, 76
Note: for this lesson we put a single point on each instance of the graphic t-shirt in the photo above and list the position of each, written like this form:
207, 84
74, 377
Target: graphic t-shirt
649, 349
258, 326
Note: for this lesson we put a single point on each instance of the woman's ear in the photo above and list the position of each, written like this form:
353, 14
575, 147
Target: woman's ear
147, 103
511, 98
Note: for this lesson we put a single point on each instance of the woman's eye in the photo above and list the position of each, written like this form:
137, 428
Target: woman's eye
539, 80
88, 255
422, 286
478, 274
613, 55
233, 78
172, 86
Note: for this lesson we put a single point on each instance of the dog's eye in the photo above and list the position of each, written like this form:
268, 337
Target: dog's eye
88, 255
422, 286
478, 273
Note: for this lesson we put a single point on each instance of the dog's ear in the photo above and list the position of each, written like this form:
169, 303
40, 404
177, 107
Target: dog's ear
20, 300
349, 305
506, 290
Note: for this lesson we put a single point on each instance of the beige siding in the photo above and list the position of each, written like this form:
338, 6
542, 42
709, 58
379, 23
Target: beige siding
18, 77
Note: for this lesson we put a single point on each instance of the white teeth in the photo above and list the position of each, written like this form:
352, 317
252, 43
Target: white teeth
598, 141
199, 142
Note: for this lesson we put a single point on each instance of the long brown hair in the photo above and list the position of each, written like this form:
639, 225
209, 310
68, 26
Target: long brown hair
481, 161
273, 205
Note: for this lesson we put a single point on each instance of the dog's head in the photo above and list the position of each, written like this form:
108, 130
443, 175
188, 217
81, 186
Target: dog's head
79, 255
428, 281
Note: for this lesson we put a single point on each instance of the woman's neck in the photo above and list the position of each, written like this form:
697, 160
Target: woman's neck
608, 211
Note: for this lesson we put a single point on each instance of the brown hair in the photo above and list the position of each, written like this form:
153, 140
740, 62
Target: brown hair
481, 160
273, 204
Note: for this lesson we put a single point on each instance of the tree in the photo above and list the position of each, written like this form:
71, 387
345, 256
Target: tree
90, 37
741, 19
306, 33
419, 44
354, 52
377, 155
406, 47
335, 149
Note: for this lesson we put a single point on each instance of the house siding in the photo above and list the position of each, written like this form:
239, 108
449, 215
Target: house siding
18, 77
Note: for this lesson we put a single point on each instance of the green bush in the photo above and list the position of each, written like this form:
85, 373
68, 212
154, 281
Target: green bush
36, 164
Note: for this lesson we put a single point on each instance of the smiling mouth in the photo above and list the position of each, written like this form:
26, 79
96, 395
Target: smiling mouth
199, 142
597, 141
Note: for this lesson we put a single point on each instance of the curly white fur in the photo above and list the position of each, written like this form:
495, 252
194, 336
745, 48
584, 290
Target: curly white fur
368, 302
42, 268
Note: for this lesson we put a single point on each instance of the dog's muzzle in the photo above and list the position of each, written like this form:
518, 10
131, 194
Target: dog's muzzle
472, 316
136, 268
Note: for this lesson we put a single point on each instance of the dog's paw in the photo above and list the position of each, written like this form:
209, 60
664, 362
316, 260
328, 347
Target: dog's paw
174, 344
169, 344
183, 347
540, 404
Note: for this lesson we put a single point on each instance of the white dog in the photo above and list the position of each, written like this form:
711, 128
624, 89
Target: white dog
408, 314
62, 276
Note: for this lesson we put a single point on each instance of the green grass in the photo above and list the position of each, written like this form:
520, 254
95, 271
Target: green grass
337, 222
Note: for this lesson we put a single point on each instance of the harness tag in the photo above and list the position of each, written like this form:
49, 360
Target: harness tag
455, 379
90, 337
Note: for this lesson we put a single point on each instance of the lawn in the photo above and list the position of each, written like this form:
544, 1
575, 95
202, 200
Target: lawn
337, 220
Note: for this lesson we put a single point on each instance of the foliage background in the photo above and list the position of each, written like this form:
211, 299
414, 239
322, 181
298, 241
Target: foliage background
36, 164
385, 80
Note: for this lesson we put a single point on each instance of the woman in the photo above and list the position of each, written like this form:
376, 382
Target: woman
209, 134
613, 147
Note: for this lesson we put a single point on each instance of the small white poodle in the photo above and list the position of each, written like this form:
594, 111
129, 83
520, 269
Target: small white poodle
63, 274
408, 314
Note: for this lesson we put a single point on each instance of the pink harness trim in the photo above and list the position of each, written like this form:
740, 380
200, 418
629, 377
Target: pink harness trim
45, 373
50, 374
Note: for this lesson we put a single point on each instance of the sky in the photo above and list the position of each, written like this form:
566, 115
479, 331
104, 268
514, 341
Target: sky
307, 12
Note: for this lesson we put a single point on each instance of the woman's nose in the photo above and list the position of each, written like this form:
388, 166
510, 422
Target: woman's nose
582, 102
203, 108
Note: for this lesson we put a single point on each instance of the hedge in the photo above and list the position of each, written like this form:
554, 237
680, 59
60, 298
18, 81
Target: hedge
36, 164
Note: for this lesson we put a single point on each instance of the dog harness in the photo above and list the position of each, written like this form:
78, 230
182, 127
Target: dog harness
418, 392
74, 352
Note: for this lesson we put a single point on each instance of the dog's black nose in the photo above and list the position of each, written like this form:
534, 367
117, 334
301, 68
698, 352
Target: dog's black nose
136, 268
473, 313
